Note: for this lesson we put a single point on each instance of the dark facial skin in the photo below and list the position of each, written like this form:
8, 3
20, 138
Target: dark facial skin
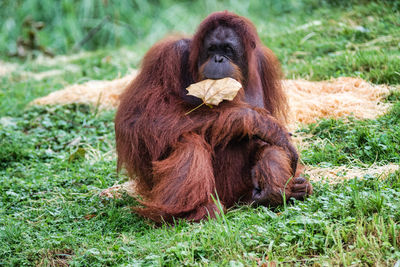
222, 54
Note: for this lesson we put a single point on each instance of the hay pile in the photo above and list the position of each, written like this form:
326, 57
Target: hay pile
308, 101
332, 175
337, 98
102, 93
117, 190
6, 68
338, 174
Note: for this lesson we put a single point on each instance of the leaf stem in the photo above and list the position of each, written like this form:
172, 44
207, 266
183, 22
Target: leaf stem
190, 111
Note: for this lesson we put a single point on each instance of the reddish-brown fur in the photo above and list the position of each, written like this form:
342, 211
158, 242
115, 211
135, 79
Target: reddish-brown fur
181, 162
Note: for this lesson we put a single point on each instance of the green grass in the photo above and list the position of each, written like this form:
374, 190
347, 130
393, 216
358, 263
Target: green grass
353, 142
50, 211
18, 89
55, 160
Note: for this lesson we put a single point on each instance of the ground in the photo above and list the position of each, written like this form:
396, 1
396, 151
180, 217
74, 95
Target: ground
55, 160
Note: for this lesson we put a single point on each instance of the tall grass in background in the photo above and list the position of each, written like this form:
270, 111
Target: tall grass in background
130, 22
314, 39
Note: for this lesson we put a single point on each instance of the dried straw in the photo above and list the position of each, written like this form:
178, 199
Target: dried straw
338, 174
102, 93
6, 68
332, 175
117, 190
308, 100
339, 97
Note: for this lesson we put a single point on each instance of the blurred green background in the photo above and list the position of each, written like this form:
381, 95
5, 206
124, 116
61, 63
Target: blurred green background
68, 21
357, 36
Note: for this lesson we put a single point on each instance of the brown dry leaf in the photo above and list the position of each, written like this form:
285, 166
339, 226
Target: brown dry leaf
212, 92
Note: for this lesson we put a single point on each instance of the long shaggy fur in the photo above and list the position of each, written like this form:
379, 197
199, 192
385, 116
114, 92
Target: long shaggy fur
181, 162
